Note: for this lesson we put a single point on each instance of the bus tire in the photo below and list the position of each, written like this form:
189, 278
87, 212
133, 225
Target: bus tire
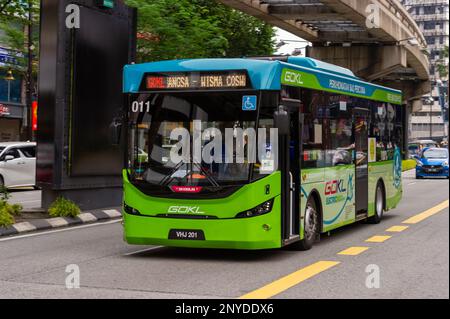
2, 182
311, 227
379, 206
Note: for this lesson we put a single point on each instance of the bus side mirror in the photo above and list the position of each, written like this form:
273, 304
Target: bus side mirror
115, 131
281, 121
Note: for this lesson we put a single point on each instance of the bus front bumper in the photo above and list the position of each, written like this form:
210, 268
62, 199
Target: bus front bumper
262, 232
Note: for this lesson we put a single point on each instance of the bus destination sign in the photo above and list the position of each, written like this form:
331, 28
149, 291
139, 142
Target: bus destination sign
197, 81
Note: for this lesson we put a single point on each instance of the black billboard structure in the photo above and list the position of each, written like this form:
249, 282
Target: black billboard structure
84, 45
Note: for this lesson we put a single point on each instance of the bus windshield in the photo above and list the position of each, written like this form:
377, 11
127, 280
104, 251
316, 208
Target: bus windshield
155, 116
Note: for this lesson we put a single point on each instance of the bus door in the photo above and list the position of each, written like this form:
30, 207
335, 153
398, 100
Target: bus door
289, 162
360, 120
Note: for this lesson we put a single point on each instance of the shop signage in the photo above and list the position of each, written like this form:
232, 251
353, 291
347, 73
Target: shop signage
6, 58
4, 110
34, 114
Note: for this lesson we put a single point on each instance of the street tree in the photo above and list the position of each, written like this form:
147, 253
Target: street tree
167, 29
246, 35
15, 24
196, 29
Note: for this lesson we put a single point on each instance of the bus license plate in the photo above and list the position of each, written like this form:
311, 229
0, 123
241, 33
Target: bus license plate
185, 234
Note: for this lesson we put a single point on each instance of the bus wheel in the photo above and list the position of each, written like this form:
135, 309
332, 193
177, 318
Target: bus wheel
379, 206
311, 227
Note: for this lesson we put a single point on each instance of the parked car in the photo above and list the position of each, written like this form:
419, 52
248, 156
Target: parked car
17, 164
433, 162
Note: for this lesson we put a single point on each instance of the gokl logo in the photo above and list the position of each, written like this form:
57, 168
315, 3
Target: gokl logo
185, 210
333, 187
293, 77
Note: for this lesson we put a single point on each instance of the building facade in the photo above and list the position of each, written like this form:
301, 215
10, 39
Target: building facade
13, 114
431, 121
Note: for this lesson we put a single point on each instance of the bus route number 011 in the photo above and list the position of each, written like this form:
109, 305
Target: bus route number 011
140, 107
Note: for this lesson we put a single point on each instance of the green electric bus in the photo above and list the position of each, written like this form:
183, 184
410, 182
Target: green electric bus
335, 158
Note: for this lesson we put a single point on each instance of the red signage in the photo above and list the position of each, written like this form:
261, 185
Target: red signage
34, 110
156, 82
197, 80
4, 110
186, 189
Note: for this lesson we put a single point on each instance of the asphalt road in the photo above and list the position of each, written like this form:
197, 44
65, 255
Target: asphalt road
413, 263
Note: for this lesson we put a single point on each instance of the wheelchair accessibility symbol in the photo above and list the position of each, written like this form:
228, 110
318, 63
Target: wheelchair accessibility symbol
249, 103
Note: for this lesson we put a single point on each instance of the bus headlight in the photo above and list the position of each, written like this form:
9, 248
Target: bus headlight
259, 210
130, 210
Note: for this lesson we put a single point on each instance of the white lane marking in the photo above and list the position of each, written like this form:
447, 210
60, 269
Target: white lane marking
112, 213
87, 217
60, 230
24, 227
57, 222
143, 250
412, 183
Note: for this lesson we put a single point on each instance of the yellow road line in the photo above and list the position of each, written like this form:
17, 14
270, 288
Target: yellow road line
278, 286
378, 239
284, 283
428, 213
353, 251
397, 229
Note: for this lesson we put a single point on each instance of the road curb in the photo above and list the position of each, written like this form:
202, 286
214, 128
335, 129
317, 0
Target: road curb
58, 222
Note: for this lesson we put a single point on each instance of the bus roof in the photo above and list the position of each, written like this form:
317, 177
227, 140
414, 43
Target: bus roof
266, 74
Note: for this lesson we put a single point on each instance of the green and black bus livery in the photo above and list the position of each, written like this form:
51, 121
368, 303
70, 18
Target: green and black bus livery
340, 140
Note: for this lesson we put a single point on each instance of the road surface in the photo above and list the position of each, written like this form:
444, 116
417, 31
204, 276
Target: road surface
412, 263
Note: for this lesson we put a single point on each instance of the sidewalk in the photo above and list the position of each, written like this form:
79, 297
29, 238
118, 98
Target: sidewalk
26, 225
34, 218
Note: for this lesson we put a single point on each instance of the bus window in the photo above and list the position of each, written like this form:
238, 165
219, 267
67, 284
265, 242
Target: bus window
338, 140
269, 103
399, 128
387, 128
314, 110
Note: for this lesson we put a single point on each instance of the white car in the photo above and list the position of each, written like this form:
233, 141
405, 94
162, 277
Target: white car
17, 164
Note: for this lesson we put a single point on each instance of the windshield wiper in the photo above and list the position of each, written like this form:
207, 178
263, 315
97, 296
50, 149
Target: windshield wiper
208, 175
166, 180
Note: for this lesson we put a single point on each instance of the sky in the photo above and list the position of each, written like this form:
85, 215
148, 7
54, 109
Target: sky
290, 46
